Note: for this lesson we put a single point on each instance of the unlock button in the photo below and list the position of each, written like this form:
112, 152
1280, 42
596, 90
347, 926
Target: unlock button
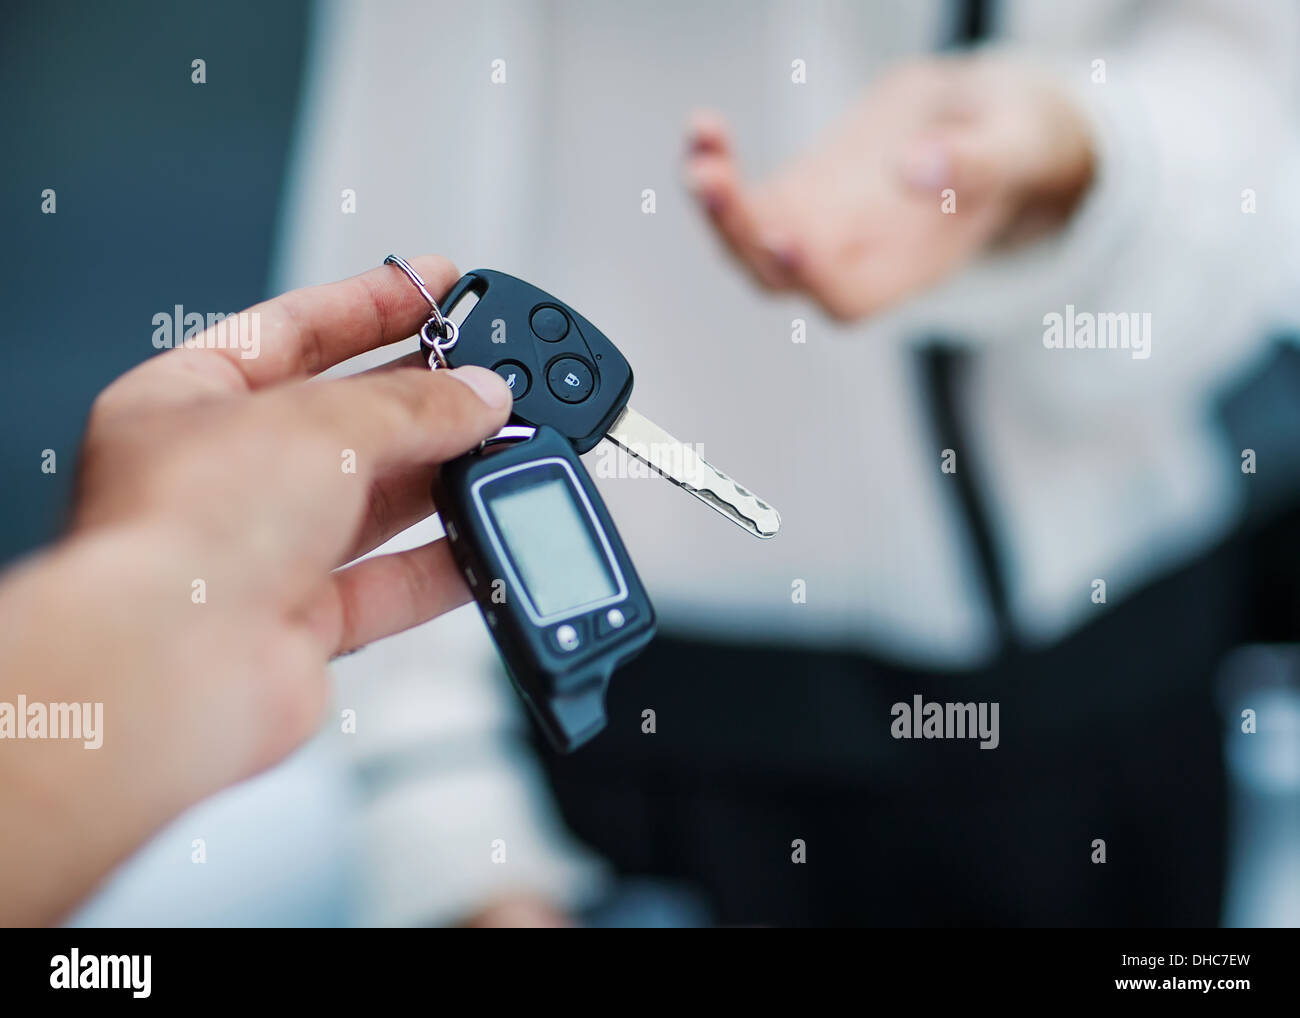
570, 379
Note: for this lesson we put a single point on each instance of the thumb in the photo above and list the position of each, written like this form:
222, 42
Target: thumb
408, 416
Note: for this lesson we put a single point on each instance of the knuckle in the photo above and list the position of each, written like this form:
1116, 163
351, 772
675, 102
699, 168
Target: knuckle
380, 509
104, 406
311, 355
416, 580
299, 680
843, 305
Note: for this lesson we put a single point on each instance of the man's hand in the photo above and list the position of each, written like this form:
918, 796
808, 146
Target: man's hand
197, 597
858, 223
287, 480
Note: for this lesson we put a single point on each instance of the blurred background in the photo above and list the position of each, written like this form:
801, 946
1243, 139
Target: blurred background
1121, 721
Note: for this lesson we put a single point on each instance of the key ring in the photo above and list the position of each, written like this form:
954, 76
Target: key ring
438, 334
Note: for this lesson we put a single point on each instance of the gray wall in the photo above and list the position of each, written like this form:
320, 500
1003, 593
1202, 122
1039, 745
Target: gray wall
167, 193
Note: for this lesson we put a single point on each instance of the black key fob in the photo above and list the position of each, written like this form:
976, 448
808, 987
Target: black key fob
563, 371
549, 572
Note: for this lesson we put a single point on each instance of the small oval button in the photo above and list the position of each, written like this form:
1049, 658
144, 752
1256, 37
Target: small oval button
567, 638
550, 324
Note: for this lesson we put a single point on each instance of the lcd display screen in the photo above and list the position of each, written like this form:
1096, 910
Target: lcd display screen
549, 538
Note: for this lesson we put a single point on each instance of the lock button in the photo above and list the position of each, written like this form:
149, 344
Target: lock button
570, 379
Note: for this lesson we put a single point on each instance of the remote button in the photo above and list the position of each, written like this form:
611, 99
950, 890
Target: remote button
515, 376
570, 380
566, 638
614, 620
550, 324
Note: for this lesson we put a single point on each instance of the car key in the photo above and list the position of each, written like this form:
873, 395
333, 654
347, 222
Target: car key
551, 577
527, 527
566, 374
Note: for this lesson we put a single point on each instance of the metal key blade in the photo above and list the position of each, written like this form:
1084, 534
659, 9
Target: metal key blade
640, 437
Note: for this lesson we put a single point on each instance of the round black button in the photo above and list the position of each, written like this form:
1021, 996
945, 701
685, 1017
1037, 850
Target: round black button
516, 377
550, 324
570, 379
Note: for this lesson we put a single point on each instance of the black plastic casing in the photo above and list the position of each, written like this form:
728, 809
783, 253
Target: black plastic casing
510, 301
564, 688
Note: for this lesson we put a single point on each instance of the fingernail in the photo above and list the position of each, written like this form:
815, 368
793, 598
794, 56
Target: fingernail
927, 168
487, 385
702, 143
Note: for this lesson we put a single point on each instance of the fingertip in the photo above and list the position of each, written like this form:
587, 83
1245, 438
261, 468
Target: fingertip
487, 385
706, 131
